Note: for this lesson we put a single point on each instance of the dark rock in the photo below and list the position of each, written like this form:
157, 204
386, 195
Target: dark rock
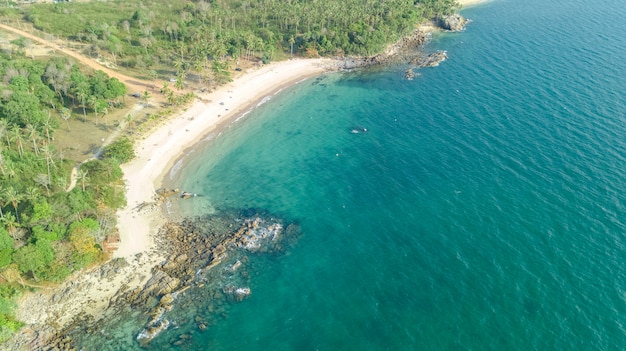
431, 60
453, 22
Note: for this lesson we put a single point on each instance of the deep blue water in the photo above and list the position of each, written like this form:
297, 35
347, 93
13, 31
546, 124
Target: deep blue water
483, 209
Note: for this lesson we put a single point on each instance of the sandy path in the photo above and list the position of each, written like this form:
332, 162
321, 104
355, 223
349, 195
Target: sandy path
133, 84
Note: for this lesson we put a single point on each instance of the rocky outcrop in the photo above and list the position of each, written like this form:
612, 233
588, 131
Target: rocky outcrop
454, 23
403, 50
202, 256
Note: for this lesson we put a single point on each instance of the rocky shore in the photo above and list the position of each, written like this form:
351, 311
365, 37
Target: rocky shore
205, 264
409, 49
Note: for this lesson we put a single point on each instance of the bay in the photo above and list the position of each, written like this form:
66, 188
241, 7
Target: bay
482, 209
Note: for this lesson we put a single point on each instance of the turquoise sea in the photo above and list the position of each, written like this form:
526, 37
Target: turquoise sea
483, 209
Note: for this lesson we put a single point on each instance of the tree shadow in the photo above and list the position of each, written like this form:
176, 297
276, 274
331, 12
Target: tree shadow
92, 149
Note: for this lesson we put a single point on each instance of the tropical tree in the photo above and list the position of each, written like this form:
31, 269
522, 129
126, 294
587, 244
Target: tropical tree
82, 176
291, 42
180, 79
4, 130
48, 126
14, 197
33, 134
2, 203
93, 102
9, 221
31, 194
16, 133
34, 258
66, 114
145, 97
48, 156
2, 162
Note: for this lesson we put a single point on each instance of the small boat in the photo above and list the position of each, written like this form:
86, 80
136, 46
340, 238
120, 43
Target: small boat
357, 130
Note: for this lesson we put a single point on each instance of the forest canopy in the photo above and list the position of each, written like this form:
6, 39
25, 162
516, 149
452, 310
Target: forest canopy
144, 33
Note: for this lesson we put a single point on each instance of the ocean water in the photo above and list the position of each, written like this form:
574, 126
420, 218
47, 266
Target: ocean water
483, 209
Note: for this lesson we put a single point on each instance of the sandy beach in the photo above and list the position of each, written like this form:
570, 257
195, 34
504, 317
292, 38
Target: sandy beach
468, 3
158, 152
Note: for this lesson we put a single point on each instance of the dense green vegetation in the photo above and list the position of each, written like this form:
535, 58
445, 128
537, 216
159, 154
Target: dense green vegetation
47, 232
200, 35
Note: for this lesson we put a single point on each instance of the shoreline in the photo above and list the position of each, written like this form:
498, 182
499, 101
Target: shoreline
468, 3
158, 151
162, 148
49, 311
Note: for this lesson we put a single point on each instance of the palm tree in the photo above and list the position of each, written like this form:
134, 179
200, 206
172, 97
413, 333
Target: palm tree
171, 98
82, 176
291, 42
10, 223
32, 193
179, 64
93, 102
14, 197
66, 114
47, 154
129, 120
105, 112
1, 202
146, 97
4, 130
180, 80
43, 180
166, 88
16, 132
82, 96
2, 162
9, 168
32, 133
47, 125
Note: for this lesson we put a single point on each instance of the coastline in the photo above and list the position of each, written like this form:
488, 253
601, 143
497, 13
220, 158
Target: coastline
468, 3
159, 151
47, 312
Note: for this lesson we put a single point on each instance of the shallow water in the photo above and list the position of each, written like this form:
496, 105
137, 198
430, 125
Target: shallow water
482, 209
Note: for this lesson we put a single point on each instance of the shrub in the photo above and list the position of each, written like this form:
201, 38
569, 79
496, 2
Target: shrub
120, 150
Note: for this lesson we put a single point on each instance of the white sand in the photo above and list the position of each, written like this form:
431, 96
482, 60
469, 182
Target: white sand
468, 3
157, 153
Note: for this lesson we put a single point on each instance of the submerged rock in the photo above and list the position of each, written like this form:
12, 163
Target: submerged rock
237, 294
432, 60
149, 333
409, 74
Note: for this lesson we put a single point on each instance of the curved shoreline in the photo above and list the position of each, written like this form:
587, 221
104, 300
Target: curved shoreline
159, 151
47, 312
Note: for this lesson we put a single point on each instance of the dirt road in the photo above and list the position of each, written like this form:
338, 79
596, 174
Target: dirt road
133, 84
